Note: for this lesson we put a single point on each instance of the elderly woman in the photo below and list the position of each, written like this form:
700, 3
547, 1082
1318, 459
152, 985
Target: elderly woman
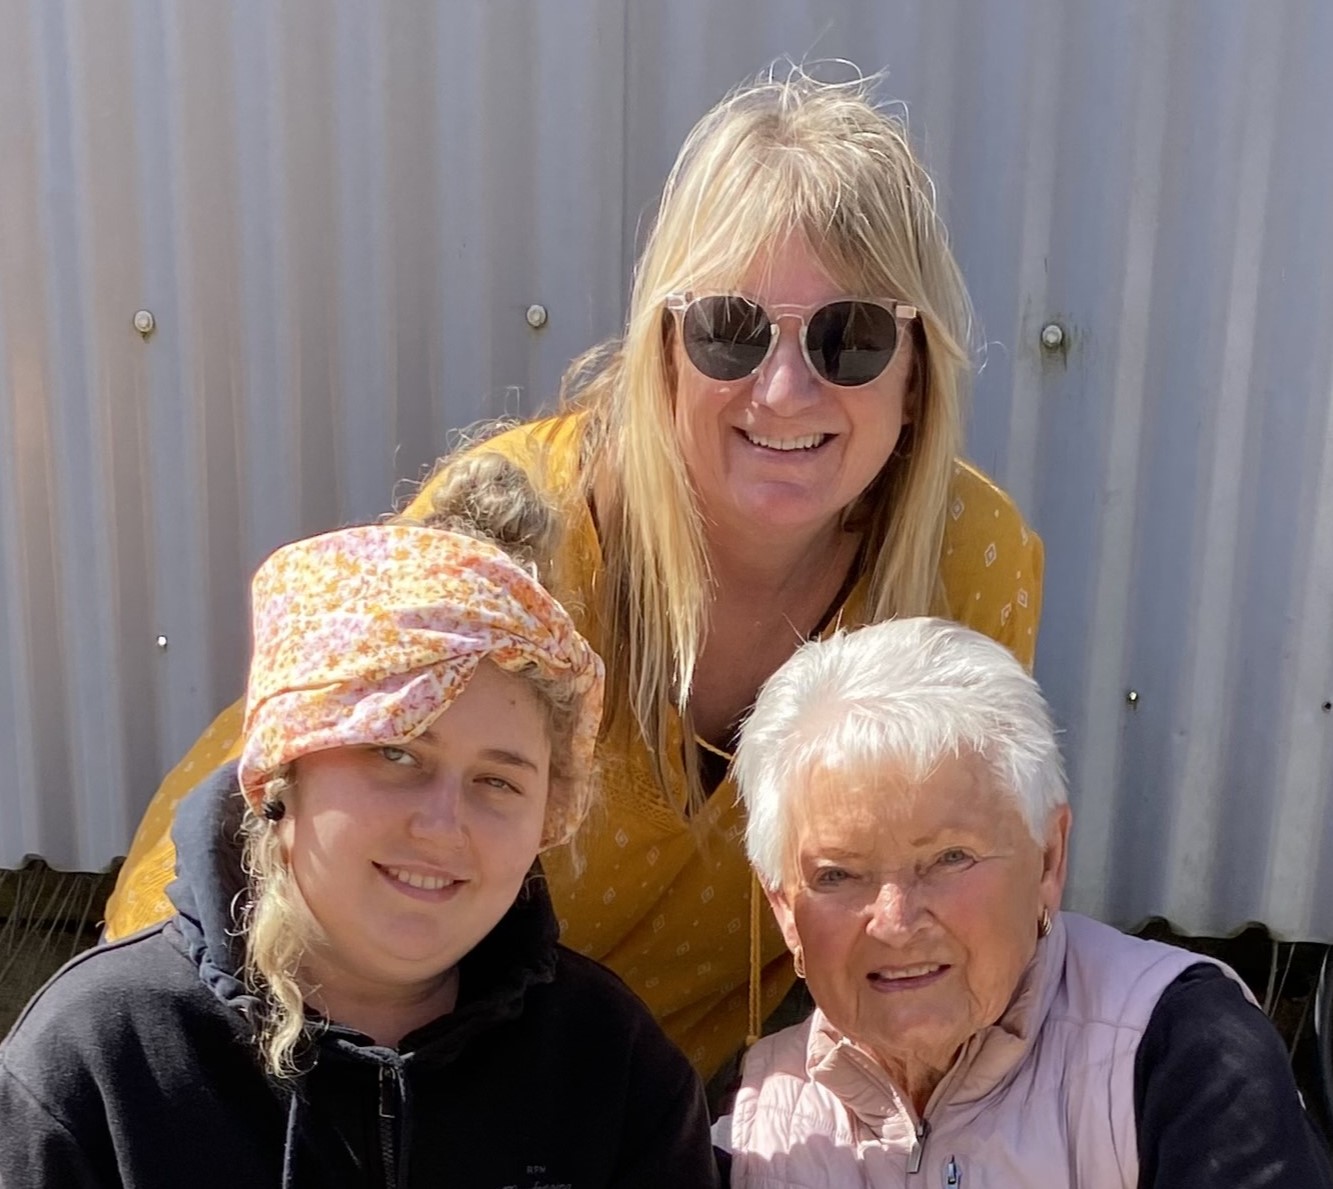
361, 983
768, 452
908, 820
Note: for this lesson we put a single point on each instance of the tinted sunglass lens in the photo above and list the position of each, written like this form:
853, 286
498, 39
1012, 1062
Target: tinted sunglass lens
726, 338
851, 342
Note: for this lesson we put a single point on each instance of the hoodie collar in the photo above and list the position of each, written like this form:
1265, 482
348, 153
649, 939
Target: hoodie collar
209, 889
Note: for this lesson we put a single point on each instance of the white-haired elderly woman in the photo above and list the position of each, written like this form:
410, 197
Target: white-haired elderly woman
909, 822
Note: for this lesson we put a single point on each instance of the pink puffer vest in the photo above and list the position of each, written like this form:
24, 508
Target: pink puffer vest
1044, 1099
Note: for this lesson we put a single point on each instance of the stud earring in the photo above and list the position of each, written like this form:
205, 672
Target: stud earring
274, 810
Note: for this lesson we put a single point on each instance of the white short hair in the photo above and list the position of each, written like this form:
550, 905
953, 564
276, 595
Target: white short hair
906, 693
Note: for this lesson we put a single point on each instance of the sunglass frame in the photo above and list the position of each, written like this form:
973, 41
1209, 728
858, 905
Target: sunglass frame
903, 314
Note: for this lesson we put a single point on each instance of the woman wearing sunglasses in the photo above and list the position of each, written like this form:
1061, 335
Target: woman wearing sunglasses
770, 451
361, 985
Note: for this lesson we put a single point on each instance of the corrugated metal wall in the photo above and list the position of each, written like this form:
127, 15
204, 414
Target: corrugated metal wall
338, 212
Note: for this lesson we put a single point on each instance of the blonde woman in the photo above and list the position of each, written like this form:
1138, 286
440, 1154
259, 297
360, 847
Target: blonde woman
769, 451
361, 983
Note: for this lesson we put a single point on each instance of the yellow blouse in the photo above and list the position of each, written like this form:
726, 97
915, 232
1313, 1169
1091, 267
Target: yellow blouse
664, 904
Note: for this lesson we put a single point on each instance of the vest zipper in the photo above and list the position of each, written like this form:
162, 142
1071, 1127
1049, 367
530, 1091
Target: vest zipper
919, 1147
386, 1129
953, 1175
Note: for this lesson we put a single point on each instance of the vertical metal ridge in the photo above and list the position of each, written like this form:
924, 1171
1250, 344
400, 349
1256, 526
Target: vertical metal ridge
1098, 765
80, 738
24, 434
1210, 660
1036, 158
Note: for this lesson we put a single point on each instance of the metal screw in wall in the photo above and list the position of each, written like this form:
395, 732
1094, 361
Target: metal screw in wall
1052, 335
536, 316
144, 322
1132, 699
162, 643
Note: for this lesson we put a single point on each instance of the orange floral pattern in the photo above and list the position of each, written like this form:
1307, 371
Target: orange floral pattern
366, 635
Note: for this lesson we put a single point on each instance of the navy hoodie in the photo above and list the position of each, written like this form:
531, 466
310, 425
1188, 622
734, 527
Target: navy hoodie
137, 1066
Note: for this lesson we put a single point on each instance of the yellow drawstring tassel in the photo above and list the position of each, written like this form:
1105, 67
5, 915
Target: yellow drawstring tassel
756, 964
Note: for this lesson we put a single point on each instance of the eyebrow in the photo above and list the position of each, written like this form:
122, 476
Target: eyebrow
514, 759
953, 832
496, 755
834, 854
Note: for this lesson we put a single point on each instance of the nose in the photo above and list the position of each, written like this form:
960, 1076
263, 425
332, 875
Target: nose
785, 384
440, 811
897, 912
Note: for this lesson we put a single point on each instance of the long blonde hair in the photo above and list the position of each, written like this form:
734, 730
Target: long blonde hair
778, 157
278, 929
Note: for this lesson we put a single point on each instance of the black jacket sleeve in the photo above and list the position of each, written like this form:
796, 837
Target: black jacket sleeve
667, 1143
37, 1148
1215, 1101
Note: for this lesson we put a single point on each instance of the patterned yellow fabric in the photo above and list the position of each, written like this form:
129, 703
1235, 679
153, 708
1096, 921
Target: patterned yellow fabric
662, 902
366, 635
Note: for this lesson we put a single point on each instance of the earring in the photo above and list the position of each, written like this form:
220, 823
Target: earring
798, 962
1045, 925
273, 809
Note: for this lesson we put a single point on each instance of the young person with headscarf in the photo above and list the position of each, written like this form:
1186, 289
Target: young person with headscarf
361, 982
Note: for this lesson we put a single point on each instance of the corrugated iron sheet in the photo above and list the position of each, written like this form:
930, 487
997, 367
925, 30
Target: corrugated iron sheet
338, 212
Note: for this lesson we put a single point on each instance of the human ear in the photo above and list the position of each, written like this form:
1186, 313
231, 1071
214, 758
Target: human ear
1055, 856
786, 917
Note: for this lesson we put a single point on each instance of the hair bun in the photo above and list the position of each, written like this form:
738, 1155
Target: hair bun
486, 495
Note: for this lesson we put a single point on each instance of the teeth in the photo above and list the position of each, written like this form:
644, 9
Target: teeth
429, 883
907, 972
801, 443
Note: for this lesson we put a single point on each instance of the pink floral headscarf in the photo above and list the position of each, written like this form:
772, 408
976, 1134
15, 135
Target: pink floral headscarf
366, 635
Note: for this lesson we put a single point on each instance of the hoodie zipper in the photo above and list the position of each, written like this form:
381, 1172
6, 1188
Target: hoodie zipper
953, 1175
386, 1111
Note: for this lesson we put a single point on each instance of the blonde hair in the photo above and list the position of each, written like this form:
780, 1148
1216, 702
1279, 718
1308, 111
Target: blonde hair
278, 928
488, 497
778, 157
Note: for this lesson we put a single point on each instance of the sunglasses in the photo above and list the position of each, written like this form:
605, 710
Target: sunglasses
848, 342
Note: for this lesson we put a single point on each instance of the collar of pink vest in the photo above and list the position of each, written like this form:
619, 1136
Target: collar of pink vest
983, 1064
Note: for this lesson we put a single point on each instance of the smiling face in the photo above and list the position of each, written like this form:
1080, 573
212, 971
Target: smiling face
782, 448
408, 856
916, 906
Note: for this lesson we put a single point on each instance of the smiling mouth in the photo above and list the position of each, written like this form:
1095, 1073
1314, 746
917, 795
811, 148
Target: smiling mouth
905, 977
810, 441
425, 883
